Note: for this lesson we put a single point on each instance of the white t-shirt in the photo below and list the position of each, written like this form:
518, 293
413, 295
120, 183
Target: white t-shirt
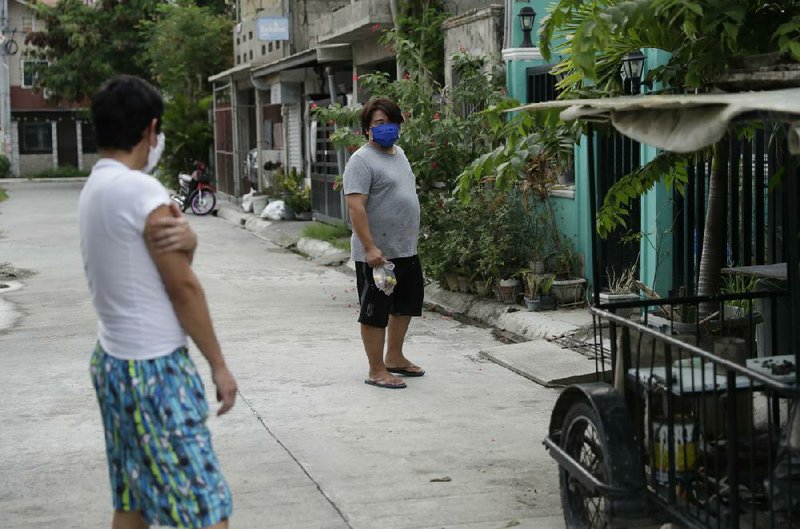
137, 321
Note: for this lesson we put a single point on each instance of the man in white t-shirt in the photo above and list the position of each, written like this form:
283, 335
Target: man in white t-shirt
137, 253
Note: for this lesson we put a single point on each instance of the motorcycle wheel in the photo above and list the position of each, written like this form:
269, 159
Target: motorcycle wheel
203, 202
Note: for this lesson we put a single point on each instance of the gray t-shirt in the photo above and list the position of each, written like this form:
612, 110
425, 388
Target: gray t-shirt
392, 205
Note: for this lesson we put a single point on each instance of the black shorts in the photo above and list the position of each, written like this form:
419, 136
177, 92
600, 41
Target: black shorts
405, 300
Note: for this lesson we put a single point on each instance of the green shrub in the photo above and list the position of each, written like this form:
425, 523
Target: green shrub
5, 166
3, 194
62, 172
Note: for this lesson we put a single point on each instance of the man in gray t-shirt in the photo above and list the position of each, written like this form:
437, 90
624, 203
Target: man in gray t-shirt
384, 209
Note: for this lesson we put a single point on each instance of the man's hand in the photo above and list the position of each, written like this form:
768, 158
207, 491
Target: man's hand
172, 233
226, 388
375, 257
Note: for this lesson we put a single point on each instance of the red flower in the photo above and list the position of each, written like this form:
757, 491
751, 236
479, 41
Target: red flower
434, 165
405, 75
441, 204
313, 106
462, 49
375, 27
437, 117
355, 77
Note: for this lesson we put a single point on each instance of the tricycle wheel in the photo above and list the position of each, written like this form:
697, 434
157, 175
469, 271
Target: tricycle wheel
582, 438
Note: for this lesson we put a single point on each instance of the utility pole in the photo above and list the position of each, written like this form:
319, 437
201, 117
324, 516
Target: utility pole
5, 82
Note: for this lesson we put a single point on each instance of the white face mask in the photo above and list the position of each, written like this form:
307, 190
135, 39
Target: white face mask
155, 153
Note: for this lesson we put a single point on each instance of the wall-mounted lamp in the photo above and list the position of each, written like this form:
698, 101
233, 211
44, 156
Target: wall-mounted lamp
633, 66
526, 17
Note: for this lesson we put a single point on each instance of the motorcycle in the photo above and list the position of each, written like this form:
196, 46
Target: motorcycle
196, 192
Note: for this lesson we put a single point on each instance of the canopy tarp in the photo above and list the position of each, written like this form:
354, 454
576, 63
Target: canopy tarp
682, 123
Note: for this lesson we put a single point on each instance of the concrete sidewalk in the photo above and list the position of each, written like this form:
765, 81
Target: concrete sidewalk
540, 331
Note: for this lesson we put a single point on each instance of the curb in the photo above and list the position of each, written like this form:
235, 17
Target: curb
511, 318
77, 179
321, 252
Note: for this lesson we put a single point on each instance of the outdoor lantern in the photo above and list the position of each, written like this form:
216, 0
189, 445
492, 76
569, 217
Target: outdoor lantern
526, 18
633, 66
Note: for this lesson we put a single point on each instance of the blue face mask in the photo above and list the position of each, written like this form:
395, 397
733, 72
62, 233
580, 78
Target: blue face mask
385, 135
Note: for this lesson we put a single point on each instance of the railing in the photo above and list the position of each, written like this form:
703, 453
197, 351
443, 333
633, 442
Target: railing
712, 405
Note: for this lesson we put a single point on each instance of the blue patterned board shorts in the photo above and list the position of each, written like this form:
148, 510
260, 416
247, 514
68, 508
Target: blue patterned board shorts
160, 458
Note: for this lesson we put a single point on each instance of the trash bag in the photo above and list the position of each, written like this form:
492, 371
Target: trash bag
274, 210
384, 278
247, 201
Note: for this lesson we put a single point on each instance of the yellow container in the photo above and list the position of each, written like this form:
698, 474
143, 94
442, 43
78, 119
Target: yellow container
685, 433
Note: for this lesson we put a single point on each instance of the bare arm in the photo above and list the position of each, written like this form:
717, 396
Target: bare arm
172, 232
356, 206
189, 302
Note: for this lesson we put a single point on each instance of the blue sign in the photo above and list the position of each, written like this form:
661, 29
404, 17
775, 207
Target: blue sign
272, 28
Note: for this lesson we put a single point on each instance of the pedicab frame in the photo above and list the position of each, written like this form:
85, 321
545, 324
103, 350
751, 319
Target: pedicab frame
615, 470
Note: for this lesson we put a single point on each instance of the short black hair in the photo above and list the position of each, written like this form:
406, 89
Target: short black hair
122, 108
389, 108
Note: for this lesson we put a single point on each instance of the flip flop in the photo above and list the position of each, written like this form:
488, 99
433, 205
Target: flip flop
385, 385
405, 372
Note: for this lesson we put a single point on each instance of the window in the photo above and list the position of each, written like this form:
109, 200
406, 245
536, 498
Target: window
238, 60
37, 138
251, 55
28, 23
270, 47
263, 49
30, 71
278, 45
250, 35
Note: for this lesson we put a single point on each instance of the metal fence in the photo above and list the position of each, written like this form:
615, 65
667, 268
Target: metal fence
223, 141
754, 215
712, 407
327, 203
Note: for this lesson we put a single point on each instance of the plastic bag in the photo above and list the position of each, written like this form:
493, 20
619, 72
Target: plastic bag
273, 211
384, 278
247, 201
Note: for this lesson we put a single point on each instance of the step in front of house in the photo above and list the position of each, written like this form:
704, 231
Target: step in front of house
544, 362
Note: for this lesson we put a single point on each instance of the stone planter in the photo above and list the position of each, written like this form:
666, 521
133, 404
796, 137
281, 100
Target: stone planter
463, 284
569, 291
537, 267
452, 281
607, 297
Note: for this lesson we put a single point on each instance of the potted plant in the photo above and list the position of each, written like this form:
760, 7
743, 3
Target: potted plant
568, 288
508, 287
547, 301
482, 286
622, 287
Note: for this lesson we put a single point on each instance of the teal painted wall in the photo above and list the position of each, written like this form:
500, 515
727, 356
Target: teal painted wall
515, 70
656, 212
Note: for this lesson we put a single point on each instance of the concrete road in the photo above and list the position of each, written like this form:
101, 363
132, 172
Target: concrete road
308, 445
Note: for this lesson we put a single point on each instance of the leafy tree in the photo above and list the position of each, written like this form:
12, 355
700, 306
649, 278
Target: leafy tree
185, 45
420, 22
86, 44
189, 135
702, 37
